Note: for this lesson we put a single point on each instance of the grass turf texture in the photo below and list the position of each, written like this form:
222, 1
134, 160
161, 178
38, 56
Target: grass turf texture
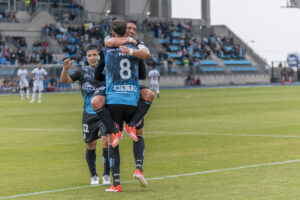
41, 146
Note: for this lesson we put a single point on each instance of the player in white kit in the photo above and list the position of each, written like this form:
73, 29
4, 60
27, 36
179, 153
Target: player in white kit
23, 82
38, 75
153, 75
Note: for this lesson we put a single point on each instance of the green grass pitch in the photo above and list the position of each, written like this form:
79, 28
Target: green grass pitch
188, 133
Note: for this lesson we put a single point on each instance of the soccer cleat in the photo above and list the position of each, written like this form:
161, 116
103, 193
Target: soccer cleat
131, 131
31, 101
39, 101
94, 180
116, 137
114, 189
106, 180
140, 177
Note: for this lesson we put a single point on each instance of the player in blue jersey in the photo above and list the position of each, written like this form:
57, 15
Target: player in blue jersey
122, 95
90, 122
146, 95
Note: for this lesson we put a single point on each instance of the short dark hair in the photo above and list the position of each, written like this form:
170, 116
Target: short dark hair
119, 26
132, 21
91, 47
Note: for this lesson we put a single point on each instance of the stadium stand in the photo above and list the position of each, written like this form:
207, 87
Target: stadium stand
178, 47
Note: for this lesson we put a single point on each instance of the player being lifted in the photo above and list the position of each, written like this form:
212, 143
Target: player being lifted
122, 96
90, 122
145, 93
154, 79
23, 82
38, 75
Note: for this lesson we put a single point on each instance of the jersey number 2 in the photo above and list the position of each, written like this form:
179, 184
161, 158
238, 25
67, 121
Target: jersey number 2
125, 71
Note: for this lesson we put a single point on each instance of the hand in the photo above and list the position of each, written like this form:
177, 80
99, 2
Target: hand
124, 50
67, 63
133, 41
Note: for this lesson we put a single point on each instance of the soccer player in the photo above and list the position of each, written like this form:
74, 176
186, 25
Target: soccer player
38, 75
122, 94
23, 82
90, 122
154, 79
146, 95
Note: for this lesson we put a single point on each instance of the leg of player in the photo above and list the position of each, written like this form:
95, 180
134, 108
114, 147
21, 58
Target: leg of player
138, 152
157, 91
106, 176
33, 93
144, 104
27, 93
41, 88
114, 162
22, 93
98, 104
91, 161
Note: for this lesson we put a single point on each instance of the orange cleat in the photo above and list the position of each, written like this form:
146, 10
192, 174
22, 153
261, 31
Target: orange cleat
140, 177
116, 137
114, 189
131, 131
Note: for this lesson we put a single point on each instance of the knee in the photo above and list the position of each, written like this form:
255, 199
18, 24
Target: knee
91, 145
147, 94
98, 102
139, 132
104, 142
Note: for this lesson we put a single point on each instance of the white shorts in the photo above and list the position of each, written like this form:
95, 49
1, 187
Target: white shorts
154, 86
23, 84
38, 86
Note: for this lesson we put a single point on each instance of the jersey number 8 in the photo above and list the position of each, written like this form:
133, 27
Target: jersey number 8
125, 71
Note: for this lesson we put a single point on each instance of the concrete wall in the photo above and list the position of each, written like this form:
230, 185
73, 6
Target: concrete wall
29, 29
210, 80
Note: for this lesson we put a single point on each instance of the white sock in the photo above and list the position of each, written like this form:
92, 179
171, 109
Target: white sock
40, 96
157, 91
27, 93
22, 94
33, 95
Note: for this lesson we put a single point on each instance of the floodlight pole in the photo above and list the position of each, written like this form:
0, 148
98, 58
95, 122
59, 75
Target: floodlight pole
206, 12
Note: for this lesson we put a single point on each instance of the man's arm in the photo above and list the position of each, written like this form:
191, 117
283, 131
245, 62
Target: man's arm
64, 77
119, 41
139, 53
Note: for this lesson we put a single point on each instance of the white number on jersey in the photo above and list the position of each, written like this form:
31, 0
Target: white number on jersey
125, 71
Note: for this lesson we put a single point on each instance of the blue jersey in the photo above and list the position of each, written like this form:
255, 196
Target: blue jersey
88, 86
121, 74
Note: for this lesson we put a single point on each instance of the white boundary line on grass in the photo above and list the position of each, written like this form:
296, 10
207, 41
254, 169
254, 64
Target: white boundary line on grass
156, 178
158, 132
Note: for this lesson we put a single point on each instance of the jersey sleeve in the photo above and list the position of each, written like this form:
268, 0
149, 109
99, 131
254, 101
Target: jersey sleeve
107, 38
45, 72
76, 76
140, 44
19, 72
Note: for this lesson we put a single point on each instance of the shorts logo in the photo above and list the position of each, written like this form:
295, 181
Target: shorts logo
85, 128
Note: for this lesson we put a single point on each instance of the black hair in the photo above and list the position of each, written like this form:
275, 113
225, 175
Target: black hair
91, 47
119, 26
132, 21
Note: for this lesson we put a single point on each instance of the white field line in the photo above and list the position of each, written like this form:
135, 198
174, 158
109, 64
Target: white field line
156, 178
158, 132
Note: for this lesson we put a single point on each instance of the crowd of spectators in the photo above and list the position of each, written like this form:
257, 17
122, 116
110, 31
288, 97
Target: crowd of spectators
74, 39
7, 16
68, 12
188, 50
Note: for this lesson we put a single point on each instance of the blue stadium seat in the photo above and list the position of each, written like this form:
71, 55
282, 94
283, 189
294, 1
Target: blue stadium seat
173, 55
176, 34
208, 62
175, 48
236, 62
176, 42
211, 69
